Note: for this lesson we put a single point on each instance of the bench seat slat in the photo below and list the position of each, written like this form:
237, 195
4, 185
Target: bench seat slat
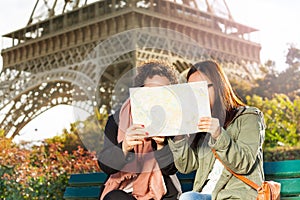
90, 192
289, 186
185, 187
290, 198
186, 181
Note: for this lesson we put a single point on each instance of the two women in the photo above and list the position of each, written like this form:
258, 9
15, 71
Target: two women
234, 131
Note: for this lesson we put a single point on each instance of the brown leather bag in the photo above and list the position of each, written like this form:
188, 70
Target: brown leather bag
269, 190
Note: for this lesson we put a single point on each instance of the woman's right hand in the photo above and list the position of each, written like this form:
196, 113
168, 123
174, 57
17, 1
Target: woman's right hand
134, 135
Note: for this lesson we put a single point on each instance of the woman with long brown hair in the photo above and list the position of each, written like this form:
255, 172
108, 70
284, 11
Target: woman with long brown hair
236, 133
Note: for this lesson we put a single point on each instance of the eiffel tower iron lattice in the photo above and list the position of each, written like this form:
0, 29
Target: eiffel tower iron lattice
76, 56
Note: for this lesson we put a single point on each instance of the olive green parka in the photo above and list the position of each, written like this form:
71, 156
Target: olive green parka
239, 147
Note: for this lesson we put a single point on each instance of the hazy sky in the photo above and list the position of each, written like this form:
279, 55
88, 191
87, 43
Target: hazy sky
277, 20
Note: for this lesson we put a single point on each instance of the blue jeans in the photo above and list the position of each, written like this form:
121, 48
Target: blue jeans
194, 196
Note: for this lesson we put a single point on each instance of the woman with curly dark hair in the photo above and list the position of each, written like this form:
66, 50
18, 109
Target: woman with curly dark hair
139, 167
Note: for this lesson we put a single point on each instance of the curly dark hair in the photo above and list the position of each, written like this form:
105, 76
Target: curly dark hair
156, 67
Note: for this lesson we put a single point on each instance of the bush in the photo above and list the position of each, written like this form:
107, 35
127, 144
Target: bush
41, 172
281, 117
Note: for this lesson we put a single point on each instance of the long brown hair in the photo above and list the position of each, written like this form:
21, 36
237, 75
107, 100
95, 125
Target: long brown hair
226, 101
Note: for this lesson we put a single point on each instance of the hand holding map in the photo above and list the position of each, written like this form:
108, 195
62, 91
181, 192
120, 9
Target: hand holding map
170, 110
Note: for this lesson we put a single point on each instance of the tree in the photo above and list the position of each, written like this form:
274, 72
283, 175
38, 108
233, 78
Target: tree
286, 82
293, 57
87, 134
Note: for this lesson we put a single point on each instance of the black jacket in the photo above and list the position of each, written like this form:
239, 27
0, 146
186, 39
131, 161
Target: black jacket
111, 159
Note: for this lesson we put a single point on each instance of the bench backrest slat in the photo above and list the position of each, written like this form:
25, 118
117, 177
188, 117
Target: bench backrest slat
287, 168
97, 178
89, 192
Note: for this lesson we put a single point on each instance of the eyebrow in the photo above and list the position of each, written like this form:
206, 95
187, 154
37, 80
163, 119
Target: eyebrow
210, 85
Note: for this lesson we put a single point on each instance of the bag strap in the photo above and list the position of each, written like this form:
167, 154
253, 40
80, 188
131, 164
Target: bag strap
242, 178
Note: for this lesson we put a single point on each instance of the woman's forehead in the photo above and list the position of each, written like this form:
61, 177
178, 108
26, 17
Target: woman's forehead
198, 76
157, 80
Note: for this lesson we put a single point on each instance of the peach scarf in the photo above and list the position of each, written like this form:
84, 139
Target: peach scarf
143, 173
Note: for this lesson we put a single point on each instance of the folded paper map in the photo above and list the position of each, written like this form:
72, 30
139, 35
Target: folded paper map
170, 110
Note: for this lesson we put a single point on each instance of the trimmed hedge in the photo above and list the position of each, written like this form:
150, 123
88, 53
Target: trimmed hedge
282, 153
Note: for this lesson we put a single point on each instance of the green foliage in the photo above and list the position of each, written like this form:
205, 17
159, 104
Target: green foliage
281, 117
87, 134
41, 172
241, 87
90, 131
69, 140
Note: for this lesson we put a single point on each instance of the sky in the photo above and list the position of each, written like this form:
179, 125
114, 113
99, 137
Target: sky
276, 20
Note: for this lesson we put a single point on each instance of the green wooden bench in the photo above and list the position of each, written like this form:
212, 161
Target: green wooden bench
288, 174
87, 186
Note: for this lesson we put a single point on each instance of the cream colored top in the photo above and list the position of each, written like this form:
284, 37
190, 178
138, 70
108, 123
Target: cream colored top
213, 177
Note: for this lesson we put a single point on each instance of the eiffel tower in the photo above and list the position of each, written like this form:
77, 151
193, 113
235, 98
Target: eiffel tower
75, 51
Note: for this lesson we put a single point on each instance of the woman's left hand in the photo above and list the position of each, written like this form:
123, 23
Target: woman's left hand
210, 125
160, 141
